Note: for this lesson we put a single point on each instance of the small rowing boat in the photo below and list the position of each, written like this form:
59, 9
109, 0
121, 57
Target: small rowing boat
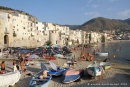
55, 71
34, 82
72, 75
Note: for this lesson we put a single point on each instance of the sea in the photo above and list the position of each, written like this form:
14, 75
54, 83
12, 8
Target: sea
118, 51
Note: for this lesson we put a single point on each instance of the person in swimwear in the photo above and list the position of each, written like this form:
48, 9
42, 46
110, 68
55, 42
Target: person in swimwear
2, 67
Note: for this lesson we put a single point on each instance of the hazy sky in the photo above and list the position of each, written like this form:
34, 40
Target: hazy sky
72, 12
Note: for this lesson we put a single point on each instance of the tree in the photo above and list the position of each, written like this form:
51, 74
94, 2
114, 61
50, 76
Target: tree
48, 43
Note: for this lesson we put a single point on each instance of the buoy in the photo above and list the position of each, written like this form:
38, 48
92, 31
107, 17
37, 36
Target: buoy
114, 55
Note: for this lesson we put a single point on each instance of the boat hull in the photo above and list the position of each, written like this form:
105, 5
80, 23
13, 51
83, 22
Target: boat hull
54, 71
105, 65
9, 79
101, 54
68, 78
41, 83
94, 70
58, 72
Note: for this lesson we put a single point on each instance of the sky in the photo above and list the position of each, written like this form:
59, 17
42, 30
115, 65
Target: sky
71, 12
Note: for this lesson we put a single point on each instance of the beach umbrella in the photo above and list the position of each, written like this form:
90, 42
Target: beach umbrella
34, 56
29, 58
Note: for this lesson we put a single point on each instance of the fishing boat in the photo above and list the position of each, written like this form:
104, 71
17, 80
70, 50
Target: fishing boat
35, 82
55, 71
105, 65
94, 69
49, 57
9, 78
72, 75
101, 53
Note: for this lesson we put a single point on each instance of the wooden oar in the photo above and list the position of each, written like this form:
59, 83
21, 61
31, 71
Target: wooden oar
37, 73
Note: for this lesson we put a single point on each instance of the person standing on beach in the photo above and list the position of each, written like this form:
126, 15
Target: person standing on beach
22, 62
2, 67
15, 66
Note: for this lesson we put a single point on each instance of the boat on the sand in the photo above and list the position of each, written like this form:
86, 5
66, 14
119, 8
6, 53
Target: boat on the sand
35, 82
9, 78
72, 75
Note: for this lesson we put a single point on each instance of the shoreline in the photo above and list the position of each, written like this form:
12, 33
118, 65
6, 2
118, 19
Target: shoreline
118, 75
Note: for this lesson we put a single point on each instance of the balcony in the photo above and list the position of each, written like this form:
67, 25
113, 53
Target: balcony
6, 31
32, 34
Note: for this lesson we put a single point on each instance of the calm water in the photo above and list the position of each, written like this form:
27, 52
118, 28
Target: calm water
120, 49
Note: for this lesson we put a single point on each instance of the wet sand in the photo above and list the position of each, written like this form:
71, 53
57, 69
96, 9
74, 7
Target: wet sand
117, 76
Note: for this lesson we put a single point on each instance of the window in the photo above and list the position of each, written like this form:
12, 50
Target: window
56, 42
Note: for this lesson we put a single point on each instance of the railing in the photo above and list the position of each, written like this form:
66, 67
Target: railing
6, 32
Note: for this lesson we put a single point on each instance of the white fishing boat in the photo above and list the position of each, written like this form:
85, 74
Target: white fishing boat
9, 79
101, 53
94, 70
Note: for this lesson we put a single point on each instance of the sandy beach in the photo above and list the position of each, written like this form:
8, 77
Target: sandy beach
117, 76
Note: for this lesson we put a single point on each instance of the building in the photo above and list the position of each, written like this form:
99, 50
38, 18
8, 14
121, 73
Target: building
6, 32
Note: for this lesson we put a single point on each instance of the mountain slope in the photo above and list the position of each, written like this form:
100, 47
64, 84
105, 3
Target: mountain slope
127, 21
100, 24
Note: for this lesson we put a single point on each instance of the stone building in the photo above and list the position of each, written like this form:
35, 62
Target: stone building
19, 30
6, 32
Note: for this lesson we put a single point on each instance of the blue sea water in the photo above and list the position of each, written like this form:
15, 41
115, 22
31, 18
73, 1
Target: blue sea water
121, 50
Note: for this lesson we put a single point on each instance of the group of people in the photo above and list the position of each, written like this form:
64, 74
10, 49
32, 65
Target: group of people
86, 56
20, 65
3, 66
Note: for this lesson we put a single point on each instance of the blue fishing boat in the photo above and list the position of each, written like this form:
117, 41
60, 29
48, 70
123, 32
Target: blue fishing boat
55, 71
72, 75
34, 82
